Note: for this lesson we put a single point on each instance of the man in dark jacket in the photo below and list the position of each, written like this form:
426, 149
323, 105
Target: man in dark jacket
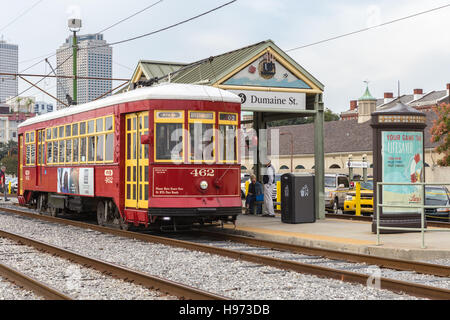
255, 191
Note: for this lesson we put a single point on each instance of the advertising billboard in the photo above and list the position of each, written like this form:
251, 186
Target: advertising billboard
402, 162
78, 181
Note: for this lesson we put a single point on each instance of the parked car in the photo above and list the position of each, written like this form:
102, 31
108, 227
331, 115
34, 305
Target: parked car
366, 199
13, 185
437, 196
336, 188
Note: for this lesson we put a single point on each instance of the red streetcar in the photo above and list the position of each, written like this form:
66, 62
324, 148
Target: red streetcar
166, 155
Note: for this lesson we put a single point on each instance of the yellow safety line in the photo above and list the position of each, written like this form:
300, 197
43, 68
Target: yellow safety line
304, 235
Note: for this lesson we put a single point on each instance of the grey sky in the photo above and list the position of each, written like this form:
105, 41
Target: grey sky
415, 51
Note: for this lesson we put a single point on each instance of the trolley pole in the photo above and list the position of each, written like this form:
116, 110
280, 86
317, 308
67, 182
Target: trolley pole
74, 26
75, 67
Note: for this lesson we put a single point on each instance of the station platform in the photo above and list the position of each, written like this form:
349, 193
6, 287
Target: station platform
345, 235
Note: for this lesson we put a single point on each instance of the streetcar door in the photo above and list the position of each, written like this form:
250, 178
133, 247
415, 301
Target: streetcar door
40, 155
136, 162
20, 191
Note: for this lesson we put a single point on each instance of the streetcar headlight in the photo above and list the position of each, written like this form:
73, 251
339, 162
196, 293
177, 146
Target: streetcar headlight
204, 185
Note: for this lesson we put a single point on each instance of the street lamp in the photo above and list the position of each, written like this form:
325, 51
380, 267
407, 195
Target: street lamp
292, 148
74, 26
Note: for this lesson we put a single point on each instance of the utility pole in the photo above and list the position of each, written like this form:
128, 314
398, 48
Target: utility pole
74, 26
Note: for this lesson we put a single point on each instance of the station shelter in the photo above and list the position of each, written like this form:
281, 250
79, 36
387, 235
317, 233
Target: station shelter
272, 87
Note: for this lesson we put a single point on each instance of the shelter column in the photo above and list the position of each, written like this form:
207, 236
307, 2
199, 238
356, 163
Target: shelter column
319, 158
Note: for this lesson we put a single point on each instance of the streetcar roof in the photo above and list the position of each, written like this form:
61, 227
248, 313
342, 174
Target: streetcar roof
164, 91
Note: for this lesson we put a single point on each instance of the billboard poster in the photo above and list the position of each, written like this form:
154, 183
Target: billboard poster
402, 162
79, 181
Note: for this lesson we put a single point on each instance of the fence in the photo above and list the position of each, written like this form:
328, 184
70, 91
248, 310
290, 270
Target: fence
420, 206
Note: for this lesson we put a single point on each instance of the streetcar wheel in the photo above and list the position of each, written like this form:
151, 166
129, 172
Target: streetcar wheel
101, 213
53, 211
41, 204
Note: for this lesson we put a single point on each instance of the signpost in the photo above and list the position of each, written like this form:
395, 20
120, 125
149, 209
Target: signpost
361, 165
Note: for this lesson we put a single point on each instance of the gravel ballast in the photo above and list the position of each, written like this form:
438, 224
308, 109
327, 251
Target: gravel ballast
69, 278
223, 276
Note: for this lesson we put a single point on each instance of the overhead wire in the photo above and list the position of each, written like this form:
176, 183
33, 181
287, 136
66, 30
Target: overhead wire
135, 38
369, 28
21, 15
49, 55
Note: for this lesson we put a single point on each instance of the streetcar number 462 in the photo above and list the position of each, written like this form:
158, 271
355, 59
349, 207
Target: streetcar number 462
202, 173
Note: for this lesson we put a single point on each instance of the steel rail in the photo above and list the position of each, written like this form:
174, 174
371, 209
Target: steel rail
436, 224
146, 280
396, 264
347, 276
31, 284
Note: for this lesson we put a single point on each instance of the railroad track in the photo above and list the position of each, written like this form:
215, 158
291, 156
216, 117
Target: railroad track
39, 288
347, 276
154, 283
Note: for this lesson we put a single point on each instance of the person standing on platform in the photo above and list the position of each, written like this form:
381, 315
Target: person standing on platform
268, 180
3, 180
255, 193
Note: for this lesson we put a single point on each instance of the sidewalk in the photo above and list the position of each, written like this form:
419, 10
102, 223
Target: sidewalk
343, 235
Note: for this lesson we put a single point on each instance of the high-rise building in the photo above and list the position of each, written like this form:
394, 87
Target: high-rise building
9, 55
94, 60
41, 107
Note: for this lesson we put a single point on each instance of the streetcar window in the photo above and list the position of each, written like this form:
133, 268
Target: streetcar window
90, 126
75, 151
82, 149
49, 134
68, 151
91, 148
99, 125
55, 133
109, 147
108, 123
201, 142
169, 141
55, 152
68, 133
28, 155
49, 152
61, 151
61, 132
227, 143
75, 129
82, 128
100, 140
30, 148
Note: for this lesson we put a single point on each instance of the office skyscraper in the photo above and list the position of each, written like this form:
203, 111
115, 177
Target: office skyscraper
94, 60
9, 55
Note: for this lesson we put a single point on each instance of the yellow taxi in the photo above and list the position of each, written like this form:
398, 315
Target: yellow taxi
366, 199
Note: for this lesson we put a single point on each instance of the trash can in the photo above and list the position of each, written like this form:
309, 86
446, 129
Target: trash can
297, 198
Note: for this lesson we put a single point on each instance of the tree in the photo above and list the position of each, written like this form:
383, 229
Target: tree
11, 164
440, 133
